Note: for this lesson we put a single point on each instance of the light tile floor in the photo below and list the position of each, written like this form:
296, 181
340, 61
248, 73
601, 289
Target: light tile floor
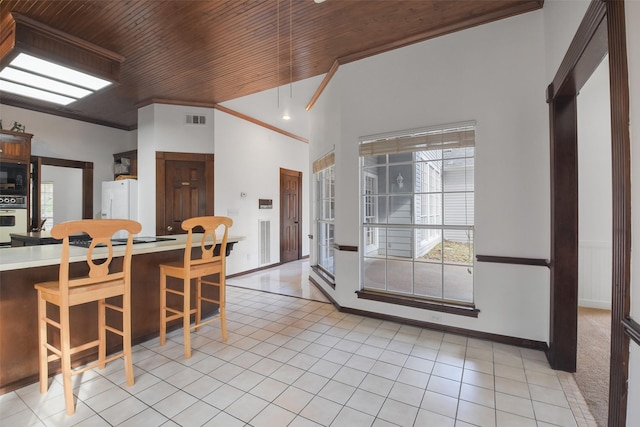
297, 362
291, 279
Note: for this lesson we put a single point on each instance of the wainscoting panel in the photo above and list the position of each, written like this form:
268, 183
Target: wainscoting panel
594, 274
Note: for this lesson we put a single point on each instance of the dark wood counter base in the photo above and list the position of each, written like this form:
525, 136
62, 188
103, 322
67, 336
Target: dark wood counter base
18, 315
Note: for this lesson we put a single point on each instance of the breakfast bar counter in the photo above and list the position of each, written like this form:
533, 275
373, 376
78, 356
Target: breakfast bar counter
22, 267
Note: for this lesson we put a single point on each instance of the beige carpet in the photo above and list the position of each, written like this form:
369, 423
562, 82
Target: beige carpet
594, 347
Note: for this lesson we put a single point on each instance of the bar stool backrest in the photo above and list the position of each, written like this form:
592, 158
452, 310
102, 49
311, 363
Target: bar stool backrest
100, 231
215, 231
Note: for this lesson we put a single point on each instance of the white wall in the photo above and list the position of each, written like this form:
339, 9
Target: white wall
594, 187
480, 75
632, 10
63, 138
163, 127
67, 186
248, 160
561, 21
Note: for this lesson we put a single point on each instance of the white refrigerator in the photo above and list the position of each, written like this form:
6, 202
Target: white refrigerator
120, 201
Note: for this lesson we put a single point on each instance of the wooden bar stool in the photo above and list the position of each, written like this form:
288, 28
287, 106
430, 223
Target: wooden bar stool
104, 280
212, 262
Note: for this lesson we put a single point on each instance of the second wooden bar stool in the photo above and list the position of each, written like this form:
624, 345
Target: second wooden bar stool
213, 245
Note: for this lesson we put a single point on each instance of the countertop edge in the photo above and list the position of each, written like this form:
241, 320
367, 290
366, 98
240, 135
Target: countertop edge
16, 258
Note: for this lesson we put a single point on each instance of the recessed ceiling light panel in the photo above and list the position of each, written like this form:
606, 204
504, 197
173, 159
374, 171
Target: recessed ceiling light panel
29, 79
6, 86
58, 72
50, 65
37, 78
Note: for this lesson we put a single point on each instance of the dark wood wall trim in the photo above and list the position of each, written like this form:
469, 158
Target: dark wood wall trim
259, 123
345, 248
602, 30
621, 218
513, 260
451, 308
563, 337
174, 102
323, 84
223, 109
87, 184
584, 54
632, 328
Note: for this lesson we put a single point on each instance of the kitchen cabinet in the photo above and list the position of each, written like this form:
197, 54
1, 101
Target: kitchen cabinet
15, 146
125, 163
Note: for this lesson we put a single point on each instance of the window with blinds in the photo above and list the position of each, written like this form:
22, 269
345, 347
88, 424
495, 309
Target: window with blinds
323, 170
417, 207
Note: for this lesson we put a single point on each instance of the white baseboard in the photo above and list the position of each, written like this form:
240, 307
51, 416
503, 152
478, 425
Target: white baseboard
603, 305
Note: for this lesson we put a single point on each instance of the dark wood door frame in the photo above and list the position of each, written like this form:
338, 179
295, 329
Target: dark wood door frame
602, 30
87, 185
161, 158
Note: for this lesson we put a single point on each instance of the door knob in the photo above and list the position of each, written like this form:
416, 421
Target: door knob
169, 228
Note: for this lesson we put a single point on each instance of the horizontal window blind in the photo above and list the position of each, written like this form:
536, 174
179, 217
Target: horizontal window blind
432, 140
324, 162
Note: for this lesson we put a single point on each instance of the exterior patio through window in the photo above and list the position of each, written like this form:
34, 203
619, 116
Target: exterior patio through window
417, 209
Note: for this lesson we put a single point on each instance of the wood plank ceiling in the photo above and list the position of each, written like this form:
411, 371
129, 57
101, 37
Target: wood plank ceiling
207, 52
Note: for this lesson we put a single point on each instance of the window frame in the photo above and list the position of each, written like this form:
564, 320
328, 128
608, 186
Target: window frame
324, 178
432, 183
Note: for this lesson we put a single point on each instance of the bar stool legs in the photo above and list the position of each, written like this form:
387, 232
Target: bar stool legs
211, 262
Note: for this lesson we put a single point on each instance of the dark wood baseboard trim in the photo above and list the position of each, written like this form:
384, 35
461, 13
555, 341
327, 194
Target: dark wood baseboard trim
502, 339
443, 307
255, 270
513, 260
632, 328
325, 293
329, 280
8, 388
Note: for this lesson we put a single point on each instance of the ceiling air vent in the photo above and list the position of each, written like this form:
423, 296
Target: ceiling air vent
192, 119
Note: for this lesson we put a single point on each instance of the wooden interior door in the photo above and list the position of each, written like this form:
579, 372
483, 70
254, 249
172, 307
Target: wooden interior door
290, 213
184, 189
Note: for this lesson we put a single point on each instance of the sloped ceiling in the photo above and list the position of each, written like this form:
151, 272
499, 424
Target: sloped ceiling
197, 52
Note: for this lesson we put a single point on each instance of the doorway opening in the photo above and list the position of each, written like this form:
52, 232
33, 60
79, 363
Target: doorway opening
601, 31
594, 242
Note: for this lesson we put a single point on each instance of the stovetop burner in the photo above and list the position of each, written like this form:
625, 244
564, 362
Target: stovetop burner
85, 241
